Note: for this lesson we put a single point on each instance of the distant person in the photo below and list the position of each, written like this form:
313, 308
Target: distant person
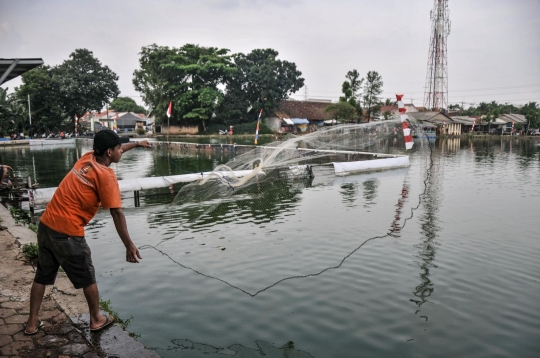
62, 135
61, 241
4, 169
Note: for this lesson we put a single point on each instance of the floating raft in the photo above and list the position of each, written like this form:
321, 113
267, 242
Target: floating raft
50, 142
40, 197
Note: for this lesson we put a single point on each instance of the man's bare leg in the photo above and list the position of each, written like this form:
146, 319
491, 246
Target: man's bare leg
92, 298
36, 296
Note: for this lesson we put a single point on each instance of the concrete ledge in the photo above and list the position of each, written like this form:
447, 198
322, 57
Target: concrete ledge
22, 234
70, 300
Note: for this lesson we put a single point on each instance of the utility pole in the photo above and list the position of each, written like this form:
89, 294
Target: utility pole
436, 88
29, 116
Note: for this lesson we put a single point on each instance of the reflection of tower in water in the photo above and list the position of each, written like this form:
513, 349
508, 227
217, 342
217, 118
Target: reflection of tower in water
427, 247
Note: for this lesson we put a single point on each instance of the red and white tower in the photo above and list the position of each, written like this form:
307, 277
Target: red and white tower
436, 90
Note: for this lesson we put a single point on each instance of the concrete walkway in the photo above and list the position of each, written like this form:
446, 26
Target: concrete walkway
64, 311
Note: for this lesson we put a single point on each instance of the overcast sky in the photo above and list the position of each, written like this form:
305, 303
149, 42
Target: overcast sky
493, 47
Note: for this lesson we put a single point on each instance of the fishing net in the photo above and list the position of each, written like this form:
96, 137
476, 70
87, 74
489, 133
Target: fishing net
279, 212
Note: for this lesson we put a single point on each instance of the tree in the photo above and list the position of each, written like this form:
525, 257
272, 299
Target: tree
45, 98
189, 76
372, 89
389, 102
126, 104
261, 81
157, 84
84, 83
12, 114
342, 110
531, 111
351, 89
454, 107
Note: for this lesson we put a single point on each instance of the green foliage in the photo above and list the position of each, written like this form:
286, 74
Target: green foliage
351, 90
206, 84
342, 110
532, 113
13, 114
21, 216
44, 91
31, 251
389, 102
107, 306
85, 84
372, 90
33, 227
189, 76
140, 131
261, 81
126, 104
78, 85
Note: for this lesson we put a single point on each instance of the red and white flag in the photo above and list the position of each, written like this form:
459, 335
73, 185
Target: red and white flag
404, 122
169, 110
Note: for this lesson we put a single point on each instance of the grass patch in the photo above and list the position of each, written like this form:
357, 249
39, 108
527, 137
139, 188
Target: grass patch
107, 306
21, 216
33, 227
30, 251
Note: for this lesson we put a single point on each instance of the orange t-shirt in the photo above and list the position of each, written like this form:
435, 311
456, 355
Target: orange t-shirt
77, 198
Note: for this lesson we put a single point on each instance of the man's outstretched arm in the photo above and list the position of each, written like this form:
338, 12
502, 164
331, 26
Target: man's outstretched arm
131, 145
132, 253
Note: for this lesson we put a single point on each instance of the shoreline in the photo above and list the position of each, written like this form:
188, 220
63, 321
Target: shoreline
64, 310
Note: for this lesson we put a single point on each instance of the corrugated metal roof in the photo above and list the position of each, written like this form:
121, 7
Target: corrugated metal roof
11, 68
288, 121
300, 120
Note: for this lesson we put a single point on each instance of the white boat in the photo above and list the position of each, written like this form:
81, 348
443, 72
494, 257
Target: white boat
51, 142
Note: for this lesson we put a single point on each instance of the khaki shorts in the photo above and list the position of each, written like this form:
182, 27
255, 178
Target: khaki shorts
70, 252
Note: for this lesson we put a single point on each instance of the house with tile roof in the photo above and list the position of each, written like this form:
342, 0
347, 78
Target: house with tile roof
299, 116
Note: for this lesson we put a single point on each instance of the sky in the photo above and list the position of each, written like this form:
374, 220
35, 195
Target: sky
493, 47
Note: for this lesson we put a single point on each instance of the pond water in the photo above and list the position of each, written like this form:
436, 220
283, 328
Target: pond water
437, 260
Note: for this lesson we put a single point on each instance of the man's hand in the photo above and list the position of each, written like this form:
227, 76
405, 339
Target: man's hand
132, 253
145, 144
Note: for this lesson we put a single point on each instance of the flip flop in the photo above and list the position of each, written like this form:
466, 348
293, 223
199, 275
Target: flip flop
107, 323
39, 326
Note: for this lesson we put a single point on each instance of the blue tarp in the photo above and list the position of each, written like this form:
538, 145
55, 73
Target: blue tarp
300, 120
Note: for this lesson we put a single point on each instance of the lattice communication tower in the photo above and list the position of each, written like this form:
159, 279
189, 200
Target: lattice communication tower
436, 89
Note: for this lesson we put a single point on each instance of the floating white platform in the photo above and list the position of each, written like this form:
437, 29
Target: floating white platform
50, 142
40, 197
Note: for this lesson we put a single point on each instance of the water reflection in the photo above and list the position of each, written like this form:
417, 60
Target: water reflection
370, 192
427, 248
258, 204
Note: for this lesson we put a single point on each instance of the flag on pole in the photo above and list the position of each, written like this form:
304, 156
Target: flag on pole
404, 122
169, 110
258, 124
115, 128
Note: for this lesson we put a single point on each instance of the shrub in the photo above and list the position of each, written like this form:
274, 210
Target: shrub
30, 251
140, 131
33, 227
21, 216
